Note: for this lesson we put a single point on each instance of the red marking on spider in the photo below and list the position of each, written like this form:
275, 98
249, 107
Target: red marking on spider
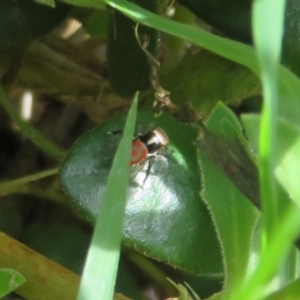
145, 148
139, 152
147, 145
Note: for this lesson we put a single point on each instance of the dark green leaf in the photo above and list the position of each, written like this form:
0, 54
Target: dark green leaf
205, 79
234, 216
159, 209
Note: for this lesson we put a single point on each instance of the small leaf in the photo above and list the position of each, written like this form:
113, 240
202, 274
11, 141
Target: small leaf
9, 281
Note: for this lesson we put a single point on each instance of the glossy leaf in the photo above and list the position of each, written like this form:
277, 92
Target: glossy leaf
159, 207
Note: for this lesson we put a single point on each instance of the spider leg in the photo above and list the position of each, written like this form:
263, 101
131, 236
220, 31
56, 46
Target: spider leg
140, 167
150, 163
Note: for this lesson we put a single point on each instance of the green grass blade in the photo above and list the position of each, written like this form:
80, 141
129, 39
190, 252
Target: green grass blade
229, 49
7, 187
275, 252
101, 265
34, 135
281, 227
236, 51
290, 291
268, 19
